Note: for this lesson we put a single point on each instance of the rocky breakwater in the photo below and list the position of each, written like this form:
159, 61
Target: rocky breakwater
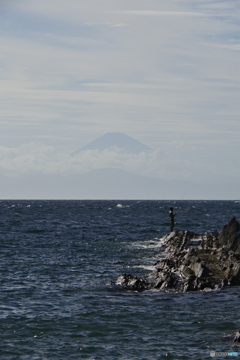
193, 262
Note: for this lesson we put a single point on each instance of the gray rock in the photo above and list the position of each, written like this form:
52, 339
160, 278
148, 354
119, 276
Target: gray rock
130, 282
229, 236
193, 262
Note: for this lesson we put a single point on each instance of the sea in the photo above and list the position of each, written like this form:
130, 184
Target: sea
58, 260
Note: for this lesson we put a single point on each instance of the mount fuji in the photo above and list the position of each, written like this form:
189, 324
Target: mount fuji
116, 141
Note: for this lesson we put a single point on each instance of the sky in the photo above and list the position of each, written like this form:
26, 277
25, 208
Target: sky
166, 73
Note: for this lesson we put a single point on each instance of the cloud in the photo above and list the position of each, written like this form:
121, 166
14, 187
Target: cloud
174, 162
161, 13
37, 157
108, 24
231, 46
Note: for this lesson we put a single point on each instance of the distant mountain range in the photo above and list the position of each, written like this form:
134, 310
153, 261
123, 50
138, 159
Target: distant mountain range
110, 183
116, 141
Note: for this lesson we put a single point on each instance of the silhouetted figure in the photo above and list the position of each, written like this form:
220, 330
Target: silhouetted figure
172, 215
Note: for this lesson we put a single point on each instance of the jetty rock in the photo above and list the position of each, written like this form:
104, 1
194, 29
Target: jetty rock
193, 262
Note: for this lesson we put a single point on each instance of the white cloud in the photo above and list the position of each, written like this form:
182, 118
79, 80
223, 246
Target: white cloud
37, 158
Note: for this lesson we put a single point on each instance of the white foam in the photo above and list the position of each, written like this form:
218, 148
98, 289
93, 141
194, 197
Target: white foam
145, 267
149, 245
119, 205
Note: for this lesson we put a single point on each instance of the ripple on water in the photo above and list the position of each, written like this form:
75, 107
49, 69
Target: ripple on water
55, 260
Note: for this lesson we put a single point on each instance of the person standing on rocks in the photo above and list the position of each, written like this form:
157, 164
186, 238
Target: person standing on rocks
172, 215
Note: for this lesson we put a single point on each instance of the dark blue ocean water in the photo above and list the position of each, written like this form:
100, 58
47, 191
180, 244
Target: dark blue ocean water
56, 258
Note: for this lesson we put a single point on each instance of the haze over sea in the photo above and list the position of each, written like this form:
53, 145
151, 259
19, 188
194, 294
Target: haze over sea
57, 258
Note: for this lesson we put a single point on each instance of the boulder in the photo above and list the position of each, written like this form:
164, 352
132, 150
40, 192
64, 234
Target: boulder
229, 236
130, 282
